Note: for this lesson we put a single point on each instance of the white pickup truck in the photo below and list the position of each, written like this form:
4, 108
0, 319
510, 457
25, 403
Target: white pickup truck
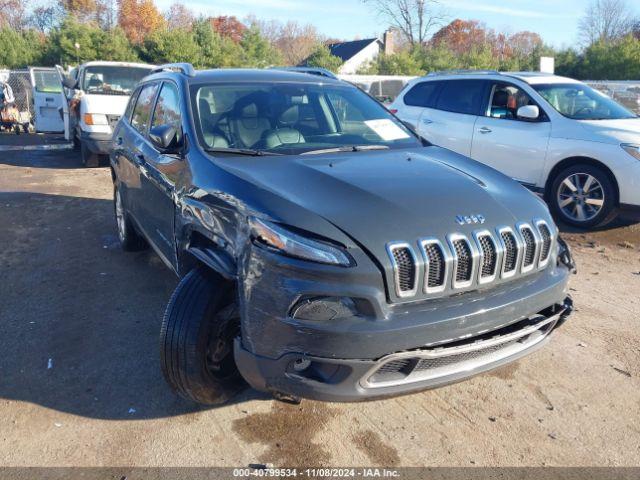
98, 96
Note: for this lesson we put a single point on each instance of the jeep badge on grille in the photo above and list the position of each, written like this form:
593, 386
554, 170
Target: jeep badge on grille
469, 219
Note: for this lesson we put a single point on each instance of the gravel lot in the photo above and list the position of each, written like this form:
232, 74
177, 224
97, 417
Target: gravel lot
80, 381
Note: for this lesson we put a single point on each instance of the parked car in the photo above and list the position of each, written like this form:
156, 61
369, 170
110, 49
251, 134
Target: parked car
324, 251
101, 91
553, 134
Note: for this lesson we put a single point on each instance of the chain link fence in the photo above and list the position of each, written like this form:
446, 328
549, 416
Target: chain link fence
20, 83
625, 93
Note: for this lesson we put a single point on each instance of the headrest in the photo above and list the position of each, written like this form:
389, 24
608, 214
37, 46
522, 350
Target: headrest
500, 98
95, 81
205, 108
290, 116
249, 111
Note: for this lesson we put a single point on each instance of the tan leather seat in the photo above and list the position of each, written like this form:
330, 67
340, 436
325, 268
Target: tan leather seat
248, 125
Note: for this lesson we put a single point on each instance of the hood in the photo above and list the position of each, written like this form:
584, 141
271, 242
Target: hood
376, 197
611, 131
107, 104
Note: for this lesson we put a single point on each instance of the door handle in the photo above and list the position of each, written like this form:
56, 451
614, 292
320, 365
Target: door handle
426, 121
484, 130
119, 141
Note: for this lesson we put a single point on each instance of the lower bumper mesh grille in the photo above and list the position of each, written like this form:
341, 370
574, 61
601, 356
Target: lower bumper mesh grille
452, 359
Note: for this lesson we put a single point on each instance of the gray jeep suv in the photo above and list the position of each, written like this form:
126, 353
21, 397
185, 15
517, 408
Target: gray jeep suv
324, 250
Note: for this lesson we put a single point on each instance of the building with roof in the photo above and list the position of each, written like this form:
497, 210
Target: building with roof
357, 54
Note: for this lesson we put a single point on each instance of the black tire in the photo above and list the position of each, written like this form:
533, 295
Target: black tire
89, 159
602, 192
130, 239
201, 320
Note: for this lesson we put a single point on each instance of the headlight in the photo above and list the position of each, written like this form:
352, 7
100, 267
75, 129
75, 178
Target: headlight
95, 119
632, 149
288, 243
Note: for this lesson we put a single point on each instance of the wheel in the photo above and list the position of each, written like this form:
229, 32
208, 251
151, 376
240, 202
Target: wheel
89, 159
130, 239
583, 196
196, 339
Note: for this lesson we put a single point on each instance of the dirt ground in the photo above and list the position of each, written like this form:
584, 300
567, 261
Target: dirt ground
80, 380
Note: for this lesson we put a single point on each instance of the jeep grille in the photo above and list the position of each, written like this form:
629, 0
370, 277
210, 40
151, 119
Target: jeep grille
458, 263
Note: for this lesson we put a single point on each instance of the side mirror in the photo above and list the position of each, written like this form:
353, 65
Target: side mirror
166, 137
69, 82
529, 112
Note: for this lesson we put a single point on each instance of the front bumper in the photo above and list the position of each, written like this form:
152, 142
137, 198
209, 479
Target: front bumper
338, 359
347, 380
98, 143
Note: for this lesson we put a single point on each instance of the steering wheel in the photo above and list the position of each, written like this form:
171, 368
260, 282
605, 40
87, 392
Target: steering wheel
587, 110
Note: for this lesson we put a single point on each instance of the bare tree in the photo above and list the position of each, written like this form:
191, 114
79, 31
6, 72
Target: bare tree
606, 20
44, 17
12, 13
415, 19
179, 16
295, 41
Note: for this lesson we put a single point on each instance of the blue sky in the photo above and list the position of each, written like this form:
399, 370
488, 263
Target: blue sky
555, 20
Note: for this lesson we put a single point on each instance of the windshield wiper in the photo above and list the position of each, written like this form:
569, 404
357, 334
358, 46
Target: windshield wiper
241, 151
349, 148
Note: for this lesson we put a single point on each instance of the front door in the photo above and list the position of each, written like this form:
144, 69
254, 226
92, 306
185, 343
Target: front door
160, 173
48, 100
513, 146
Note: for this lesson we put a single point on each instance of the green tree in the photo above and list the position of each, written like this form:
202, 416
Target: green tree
257, 51
94, 42
402, 63
321, 57
19, 49
568, 63
168, 46
215, 51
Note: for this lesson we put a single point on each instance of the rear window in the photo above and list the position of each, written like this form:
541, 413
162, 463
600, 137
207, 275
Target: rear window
422, 94
462, 96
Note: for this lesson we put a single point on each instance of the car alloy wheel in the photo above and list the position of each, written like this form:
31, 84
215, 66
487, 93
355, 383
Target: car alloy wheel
580, 197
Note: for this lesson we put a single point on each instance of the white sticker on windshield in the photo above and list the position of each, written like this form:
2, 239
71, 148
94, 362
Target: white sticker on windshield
386, 129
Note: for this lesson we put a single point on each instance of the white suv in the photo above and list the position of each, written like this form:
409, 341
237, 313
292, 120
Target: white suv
554, 135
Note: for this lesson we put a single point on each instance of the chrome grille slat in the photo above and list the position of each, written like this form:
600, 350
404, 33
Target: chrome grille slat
512, 251
490, 256
465, 261
530, 246
546, 239
406, 268
437, 265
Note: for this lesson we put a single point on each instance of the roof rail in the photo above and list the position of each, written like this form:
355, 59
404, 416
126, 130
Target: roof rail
184, 68
464, 72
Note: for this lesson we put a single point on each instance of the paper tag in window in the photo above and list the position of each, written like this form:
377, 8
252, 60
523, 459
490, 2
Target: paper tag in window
386, 129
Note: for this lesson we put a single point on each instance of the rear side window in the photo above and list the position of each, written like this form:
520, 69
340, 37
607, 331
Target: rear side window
462, 96
167, 110
142, 110
422, 94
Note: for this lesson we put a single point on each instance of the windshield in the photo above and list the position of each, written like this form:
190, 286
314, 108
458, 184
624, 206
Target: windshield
294, 118
112, 80
581, 102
